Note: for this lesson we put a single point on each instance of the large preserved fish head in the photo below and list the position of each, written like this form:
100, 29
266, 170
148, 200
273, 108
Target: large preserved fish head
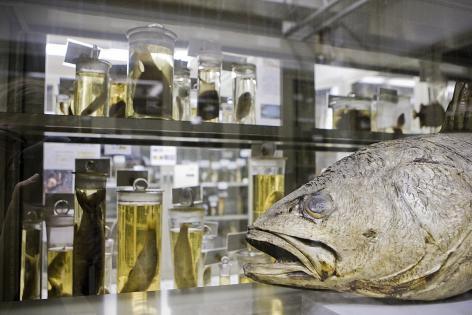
391, 220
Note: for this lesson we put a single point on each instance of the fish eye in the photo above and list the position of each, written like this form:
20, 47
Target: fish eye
318, 205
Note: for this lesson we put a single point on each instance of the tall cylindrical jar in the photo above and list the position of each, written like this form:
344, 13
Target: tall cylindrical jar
186, 234
186, 221
266, 179
139, 238
91, 86
31, 256
150, 72
209, 82
182, 109
118, 91
89, 226
244, 93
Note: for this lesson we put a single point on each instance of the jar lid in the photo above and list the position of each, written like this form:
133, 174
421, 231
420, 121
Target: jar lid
152, 28
180, 67
126, 178
92, 63
244, 68
92, 166
140, 192
186, 196
61, 215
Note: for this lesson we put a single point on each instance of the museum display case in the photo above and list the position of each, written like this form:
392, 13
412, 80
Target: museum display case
141, 139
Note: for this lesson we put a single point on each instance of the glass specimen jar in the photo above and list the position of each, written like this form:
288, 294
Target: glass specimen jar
209, 82
244, 93
139, 237
182, 109
91, 86
31, 256
227, 110
383, 111
118, 91
350, 113
65, 98
89, 226
150, 72
267, 182
186, 234
109, 247
225, 271
60, 233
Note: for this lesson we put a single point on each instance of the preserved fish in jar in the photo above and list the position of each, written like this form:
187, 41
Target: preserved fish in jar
151, 71
139, 238
89, 226
91, 86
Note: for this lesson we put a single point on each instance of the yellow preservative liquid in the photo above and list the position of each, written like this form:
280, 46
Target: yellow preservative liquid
268, 189
59, 271
186, 251
139, 246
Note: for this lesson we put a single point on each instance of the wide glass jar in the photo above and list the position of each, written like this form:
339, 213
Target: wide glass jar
150, 72
244, 93
350, 112
139, 238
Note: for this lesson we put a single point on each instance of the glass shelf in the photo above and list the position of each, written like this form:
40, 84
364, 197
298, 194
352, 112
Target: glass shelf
228, 217
237, 299
78, 129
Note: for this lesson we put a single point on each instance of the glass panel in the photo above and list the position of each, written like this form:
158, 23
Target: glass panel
325, 143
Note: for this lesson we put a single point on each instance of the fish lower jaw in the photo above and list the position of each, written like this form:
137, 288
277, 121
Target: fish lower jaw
291, 261
285, 274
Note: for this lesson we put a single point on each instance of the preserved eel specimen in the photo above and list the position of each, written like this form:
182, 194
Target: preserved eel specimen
89, 244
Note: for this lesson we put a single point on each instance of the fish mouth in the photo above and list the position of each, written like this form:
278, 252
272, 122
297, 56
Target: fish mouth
296, 258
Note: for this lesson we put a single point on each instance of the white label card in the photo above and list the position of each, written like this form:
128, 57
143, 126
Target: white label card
62, 156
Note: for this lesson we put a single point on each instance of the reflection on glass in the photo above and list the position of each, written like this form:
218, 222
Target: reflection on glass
140, 305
